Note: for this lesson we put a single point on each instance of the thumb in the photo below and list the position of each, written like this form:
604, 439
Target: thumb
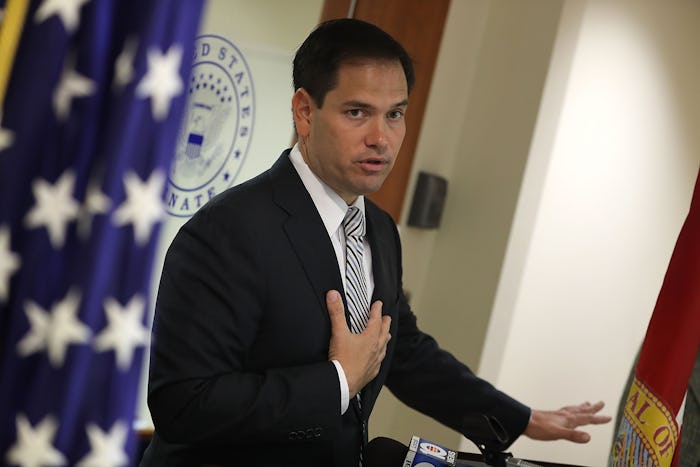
336, 312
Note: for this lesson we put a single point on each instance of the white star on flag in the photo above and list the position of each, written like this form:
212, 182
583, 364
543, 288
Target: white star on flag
71, 85
124, 64
124, 330
67, 10
106, 449
143, 206
54, 207
96, 202
34, 446
7, 137
162, 81
54, 331
9, 262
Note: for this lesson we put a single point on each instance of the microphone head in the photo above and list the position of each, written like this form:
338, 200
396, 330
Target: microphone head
424, 453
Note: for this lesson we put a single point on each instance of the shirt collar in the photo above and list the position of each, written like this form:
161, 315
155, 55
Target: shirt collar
329, 204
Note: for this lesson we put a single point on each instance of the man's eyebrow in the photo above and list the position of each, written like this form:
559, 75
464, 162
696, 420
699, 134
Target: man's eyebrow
364, 105
359, 104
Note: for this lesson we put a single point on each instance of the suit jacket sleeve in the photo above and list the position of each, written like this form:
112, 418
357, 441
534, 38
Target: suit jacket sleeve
432, 381
211, 302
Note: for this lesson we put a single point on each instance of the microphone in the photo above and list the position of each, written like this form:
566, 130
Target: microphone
386, 452
424, 453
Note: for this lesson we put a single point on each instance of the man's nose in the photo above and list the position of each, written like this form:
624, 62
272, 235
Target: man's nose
376, 135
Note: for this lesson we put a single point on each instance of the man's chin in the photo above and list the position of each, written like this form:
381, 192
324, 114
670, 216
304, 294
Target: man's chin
374, 183
368, 190
366, 185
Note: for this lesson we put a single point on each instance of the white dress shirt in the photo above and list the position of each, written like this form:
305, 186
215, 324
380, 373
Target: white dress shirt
332, 209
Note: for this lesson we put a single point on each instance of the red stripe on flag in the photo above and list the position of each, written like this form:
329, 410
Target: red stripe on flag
673, 336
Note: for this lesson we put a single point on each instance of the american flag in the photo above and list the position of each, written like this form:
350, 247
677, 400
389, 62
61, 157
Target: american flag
88, 127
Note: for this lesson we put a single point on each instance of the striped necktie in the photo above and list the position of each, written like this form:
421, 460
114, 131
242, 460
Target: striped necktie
355, 284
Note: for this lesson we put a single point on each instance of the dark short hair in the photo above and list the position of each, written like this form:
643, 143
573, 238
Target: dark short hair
340, 41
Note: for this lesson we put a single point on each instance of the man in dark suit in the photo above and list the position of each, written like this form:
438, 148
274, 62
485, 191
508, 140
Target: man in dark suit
253, 359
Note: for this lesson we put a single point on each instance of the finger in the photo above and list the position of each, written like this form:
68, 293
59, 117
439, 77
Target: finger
375, 315
587, 407
577, 436
386, 325
597, 406
570, 434
336, 312
588, 414
573, 420
376, 309
577, 408
592, 419
600, 419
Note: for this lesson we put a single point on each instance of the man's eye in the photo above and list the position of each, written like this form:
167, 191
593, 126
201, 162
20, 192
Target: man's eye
396, 114
355, 113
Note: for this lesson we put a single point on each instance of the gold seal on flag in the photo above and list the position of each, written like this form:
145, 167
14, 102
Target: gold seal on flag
648, 433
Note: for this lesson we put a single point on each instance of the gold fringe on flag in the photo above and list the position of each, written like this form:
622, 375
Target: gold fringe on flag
10, 30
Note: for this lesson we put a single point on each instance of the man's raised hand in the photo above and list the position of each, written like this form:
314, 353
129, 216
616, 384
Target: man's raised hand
547, 425
362, 354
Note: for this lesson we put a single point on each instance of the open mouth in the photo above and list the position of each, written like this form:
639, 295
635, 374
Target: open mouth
373, 164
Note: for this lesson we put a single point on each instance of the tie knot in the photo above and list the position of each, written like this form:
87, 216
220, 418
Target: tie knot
354, 222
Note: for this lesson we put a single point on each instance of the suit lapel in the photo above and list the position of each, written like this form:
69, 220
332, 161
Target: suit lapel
308, 237
378, 238
305, 231
378, 242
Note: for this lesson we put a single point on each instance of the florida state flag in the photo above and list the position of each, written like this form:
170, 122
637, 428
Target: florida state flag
648, 434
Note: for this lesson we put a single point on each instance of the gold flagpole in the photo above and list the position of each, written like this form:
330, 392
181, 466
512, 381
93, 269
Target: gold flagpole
10, 30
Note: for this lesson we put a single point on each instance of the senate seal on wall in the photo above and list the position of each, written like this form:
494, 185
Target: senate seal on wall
215, 135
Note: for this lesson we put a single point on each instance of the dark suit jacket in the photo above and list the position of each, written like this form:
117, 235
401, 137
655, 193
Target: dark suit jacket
239, 365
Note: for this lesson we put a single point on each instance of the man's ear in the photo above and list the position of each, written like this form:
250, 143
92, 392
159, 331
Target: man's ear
302, 111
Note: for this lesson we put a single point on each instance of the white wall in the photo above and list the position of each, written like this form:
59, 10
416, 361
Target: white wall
608, 184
